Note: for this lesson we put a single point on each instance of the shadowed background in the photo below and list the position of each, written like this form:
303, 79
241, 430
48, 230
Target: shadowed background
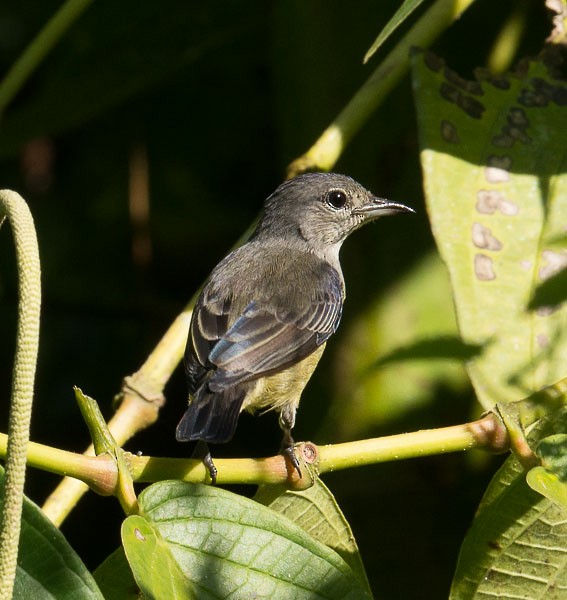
145, 145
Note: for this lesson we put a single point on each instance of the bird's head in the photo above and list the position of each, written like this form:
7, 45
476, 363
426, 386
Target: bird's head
322, 209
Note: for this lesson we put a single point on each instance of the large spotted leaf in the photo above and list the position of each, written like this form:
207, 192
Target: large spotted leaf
494, 157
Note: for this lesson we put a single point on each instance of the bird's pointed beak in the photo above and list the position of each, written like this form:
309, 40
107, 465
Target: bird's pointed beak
379, 207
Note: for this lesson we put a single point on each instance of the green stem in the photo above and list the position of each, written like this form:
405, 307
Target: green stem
39, 49
252, 471
103, 474
29, 287
487, 434
99, 471
327, 149
396, 447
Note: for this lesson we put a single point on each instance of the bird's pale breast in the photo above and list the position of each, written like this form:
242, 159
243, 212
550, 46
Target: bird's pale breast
283, 388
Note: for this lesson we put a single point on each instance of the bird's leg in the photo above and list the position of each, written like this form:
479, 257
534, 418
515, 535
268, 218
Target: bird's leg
202, 451
287, 421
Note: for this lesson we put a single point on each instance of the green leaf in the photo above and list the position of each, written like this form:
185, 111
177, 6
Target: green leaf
153, 564
399, 17
496, 187
47, 565
553, 452
550, 479
548, 485
114, 578
226, 545
316, 511
516, 545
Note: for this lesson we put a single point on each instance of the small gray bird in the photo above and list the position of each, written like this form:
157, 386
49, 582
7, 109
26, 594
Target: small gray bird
265, 313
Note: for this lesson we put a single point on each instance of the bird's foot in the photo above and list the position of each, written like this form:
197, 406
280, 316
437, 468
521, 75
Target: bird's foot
202, 451
288, 450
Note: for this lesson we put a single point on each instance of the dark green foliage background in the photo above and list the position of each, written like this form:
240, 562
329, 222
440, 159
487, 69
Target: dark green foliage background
223, 96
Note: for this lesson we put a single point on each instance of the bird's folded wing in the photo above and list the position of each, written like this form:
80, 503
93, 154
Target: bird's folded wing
264, 339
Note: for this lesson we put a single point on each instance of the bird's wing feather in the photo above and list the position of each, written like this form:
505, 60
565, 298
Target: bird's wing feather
263, 339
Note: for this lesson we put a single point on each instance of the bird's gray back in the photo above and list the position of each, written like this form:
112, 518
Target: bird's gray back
277, 277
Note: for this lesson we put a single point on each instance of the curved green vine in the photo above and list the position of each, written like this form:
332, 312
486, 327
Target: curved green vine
16, 210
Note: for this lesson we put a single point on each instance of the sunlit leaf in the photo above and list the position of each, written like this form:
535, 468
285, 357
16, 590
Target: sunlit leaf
155, 569
223, 545
496, 187
548, 485
316, 511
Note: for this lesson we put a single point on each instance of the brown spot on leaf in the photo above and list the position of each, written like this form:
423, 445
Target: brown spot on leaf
433, 62
542, 87
542, 92
514, 130
482, 238
542, 340
503, 140
531, 98
472, 87
498, 81
449, 132
526, 264
497, 169
556, 261
502, 162
496, 175
508, 208
472, 107
518, 133
517, 116
450, 93
489, 201
469, 105
559, 18
483, 267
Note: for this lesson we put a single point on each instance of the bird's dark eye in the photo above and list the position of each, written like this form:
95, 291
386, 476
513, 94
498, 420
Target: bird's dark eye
336, 198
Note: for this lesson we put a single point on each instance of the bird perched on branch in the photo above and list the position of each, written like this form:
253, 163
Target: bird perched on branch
265, 313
